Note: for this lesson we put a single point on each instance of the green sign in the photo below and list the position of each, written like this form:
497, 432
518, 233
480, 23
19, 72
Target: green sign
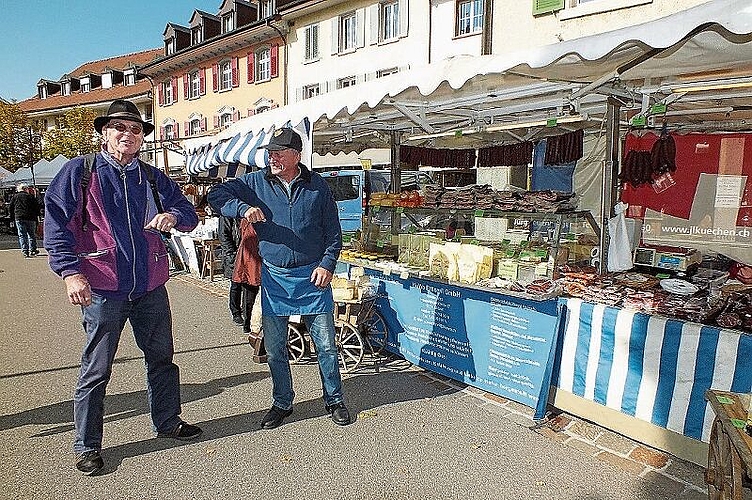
658, 109
638, 121
551, 122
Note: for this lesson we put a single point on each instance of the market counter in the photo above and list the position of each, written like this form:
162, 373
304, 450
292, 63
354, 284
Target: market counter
645, 376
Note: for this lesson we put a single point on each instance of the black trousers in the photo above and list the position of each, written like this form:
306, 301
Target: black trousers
242, 298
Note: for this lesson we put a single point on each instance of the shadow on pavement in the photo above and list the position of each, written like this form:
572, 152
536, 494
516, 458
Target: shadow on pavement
362, 392
118, 406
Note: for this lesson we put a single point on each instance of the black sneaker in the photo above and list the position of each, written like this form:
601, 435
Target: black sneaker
183, 432
275, 417
89, 462
35, 253
26, 255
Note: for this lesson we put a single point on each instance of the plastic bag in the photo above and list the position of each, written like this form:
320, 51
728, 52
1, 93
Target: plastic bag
619, 247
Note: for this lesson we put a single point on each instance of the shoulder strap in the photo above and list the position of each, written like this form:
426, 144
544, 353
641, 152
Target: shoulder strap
153, 183
89, 161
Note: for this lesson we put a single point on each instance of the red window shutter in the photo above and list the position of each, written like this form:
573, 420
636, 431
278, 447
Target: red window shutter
186, 78
174, 89
251, 112
160, 93
251, 78
236, 116
235, 76
215, 77
177, 130
274, 60
187, 126
202, 81
161, 133
203, 124
216, 121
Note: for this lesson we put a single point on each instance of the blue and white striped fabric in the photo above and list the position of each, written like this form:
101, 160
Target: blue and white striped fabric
243, 149
653, 368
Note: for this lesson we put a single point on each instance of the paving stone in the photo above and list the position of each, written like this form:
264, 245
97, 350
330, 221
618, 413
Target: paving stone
552, 435
587, 431
687, 471
649, 456
583, 446
615, 442
626, 464
520, 419
495, 398
692, 494
499, 410
559, 422
665, 483
520, 408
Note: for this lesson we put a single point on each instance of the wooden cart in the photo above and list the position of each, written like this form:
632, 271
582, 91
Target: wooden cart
730, 449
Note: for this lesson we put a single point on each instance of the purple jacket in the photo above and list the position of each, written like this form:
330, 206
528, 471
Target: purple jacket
117, 255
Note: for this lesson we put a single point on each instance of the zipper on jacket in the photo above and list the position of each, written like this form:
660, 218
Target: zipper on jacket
130, 231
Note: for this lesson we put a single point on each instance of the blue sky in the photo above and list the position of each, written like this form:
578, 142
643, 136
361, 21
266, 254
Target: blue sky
48, 38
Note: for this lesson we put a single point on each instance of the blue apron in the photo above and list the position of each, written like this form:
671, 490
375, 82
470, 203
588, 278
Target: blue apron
289, 291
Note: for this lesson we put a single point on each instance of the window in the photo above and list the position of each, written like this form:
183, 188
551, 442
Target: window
311, 91
312, 42
129, 79
43, 92
262, 109
346, 82
225, 75
225, 120
66, 88
195, 127
196, 35
263, 68
169, 131
390, 20
194, 88
170, 46
385, 72
85, 87
347, 32
266, 9
168, 98
469, 17
228, 23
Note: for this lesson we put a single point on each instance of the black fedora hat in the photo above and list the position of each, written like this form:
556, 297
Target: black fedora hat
125, 110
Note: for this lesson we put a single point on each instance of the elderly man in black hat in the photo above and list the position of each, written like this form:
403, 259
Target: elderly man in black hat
105, 217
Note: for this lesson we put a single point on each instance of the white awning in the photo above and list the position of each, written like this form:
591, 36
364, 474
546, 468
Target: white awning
475, 93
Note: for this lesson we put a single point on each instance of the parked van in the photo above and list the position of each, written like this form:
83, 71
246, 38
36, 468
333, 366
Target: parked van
352, 190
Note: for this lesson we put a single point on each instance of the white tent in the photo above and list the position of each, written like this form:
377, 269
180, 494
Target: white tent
478, 97
44, 173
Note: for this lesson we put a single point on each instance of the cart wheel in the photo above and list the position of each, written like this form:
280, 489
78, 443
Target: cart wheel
296, 344
375, 333
724, 472
349, 345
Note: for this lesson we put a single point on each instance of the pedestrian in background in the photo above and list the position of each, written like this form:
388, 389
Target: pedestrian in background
103, 233
228, 233
297, 222
25, 210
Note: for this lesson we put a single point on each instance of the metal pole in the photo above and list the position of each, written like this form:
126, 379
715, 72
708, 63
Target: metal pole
609, 191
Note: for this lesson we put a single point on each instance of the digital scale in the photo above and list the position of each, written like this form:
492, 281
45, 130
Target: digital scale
664, 257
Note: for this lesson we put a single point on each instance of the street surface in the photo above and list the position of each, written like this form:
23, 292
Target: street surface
415, 438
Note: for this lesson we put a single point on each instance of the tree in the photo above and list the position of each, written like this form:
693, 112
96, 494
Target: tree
74, 137
16, 132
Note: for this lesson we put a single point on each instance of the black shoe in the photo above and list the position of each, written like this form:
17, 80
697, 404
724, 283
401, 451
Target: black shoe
274, 418
183, 431
26, 255
237, 319
339, 414
89, 462
35, 253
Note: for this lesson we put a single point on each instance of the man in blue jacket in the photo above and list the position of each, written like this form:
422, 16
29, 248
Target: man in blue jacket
296, 219
102, 230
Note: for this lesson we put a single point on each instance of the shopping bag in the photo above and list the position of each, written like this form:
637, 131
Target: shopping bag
619, 247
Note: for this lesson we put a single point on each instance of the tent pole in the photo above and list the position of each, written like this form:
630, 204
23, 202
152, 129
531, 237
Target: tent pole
610, 174
396, 175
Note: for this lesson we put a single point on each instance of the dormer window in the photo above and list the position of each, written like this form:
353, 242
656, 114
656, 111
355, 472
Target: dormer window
266, 9
169, 46
129, 78
228, 22
85, 85
196, 37
66, 88
43, 92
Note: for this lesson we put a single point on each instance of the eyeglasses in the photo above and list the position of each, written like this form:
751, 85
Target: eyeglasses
122, 127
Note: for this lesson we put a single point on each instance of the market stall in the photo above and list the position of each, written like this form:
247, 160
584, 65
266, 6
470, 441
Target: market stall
685, 70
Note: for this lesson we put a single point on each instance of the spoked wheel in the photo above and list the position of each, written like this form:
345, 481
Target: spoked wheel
724, 472
296, 344
350, 345
375, 332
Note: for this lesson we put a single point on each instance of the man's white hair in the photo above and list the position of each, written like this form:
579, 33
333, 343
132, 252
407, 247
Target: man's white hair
21, 187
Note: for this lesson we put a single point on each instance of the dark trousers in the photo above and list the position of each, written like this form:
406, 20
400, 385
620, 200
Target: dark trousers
242, 298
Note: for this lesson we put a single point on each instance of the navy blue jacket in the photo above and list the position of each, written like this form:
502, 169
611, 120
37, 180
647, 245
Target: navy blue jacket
300, 229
